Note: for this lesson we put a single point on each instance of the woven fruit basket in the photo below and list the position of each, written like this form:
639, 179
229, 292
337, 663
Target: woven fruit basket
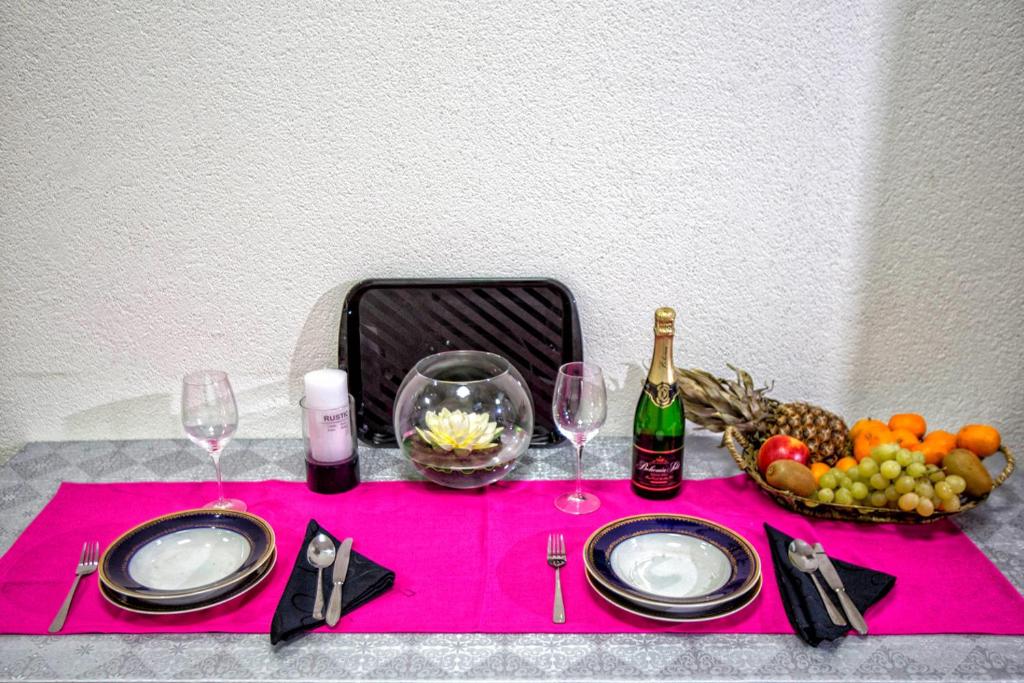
745, 454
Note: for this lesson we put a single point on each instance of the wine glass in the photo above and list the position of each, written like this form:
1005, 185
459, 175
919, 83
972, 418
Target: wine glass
579, 408
210, 416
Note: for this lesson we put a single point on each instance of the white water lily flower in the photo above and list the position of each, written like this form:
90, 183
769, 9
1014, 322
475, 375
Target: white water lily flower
455, 430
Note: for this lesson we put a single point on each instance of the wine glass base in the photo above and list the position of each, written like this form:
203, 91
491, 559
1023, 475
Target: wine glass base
227, 504
577, 504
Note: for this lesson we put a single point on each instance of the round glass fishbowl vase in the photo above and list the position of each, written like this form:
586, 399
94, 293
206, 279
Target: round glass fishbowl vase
463, 418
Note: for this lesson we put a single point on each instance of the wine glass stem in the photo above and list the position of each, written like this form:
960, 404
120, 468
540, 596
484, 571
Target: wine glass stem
215, 454
579, 471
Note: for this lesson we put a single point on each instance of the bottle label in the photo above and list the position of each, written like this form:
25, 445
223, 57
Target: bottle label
657, 470
662, 394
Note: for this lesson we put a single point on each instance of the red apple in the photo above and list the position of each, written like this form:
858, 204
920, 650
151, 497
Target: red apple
782, 448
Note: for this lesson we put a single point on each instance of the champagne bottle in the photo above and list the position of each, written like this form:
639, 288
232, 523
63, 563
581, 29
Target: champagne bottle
658, 425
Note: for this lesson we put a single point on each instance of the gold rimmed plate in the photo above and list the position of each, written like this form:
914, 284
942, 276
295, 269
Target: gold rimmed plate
667, 561
707, 613
186, 558
157, 608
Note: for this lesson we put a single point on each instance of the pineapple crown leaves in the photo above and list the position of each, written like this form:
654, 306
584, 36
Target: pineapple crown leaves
715, 403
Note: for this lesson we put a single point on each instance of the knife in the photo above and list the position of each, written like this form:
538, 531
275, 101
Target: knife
338, 579
836, 584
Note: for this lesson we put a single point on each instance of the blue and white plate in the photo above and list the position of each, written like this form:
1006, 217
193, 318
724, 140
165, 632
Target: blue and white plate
706, 613
665, 562
210, 600
187, 557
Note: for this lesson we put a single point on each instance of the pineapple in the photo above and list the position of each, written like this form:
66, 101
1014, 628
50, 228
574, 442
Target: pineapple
714, 403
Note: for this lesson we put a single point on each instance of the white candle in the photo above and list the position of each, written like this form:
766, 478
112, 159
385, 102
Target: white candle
326, 389
327, 414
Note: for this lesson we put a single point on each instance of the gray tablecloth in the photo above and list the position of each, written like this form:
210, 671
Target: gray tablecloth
31, 477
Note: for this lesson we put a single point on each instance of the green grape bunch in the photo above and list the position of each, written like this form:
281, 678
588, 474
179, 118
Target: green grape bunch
894, 478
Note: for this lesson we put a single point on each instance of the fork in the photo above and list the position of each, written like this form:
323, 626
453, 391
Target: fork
556, 558
87, 564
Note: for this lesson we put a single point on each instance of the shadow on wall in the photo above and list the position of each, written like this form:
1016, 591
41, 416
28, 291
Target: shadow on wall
941, 309
317, 345
133, 418
261, 405
142, 417
623, 396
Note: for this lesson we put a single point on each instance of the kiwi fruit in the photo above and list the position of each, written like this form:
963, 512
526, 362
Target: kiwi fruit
789, 475
966, 464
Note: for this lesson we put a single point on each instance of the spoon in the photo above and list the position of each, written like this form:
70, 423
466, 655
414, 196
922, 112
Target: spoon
802, 556
320, 554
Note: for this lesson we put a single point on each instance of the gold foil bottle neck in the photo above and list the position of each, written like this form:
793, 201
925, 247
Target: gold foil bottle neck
664, 321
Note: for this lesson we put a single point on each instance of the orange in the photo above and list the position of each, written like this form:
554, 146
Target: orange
861, 424
912, 422
818, 469
933, 451
943, 440
861, 448
845, 463
869, 437
876, 431
905, 438
982, 439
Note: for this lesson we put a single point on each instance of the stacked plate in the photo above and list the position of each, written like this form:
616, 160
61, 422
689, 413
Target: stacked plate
187, 561
672, 567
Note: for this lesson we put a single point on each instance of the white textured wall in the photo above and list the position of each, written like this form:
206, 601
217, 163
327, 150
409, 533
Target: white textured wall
831, 194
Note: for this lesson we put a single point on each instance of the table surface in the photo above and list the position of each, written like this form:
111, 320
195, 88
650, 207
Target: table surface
31, 477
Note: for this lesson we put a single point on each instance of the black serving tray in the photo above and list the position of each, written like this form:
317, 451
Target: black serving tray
387, 326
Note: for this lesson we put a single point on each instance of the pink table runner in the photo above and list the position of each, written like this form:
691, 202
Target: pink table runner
474, 561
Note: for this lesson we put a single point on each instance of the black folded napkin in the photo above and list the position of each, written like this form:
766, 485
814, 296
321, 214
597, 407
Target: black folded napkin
801, 600
364, 581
